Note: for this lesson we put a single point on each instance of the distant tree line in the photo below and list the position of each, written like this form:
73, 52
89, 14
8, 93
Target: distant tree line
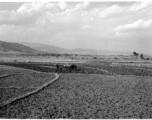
45, 54
136, 54
51, 54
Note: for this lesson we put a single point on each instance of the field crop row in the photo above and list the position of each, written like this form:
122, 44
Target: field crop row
7, 70
121, 70
41, 68
19, 84
30, 66
26, 80
8, 93
84, 96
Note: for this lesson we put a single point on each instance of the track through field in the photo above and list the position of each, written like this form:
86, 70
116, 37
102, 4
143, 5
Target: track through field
29, 93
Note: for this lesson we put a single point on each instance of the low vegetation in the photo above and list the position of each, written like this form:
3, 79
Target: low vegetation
8, 93
42, 68
121, 70
20, 83
87, 92
6, 70
87, 96
26, 80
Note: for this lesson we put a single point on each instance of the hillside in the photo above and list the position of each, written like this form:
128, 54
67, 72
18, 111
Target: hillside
54, 49
8, 47
46, 48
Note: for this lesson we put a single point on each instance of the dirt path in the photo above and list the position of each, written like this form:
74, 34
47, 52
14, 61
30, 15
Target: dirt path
30, 93
3, 76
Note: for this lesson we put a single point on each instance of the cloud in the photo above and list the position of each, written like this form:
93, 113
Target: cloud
86, 27
115, 9
135, 26
62, 5
78, 23
81, 6
136, 9
28, 13
140, 6
85, 4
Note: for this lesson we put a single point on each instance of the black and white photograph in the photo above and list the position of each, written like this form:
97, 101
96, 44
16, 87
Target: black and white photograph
68, 59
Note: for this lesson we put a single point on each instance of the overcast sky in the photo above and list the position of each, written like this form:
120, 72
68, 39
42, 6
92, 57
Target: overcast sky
119, 26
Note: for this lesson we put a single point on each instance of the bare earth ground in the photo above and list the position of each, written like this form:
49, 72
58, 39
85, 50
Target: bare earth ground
87, 96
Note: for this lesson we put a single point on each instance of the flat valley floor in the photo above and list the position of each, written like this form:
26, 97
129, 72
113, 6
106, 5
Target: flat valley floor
76, 95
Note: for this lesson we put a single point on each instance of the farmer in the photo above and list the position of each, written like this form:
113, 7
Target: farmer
57, 67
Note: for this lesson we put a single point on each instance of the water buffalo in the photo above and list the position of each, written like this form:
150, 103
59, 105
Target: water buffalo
70, 67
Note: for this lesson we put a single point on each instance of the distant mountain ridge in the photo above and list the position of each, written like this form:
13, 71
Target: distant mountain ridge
46, 48
23, 47
54, 49
8, 47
